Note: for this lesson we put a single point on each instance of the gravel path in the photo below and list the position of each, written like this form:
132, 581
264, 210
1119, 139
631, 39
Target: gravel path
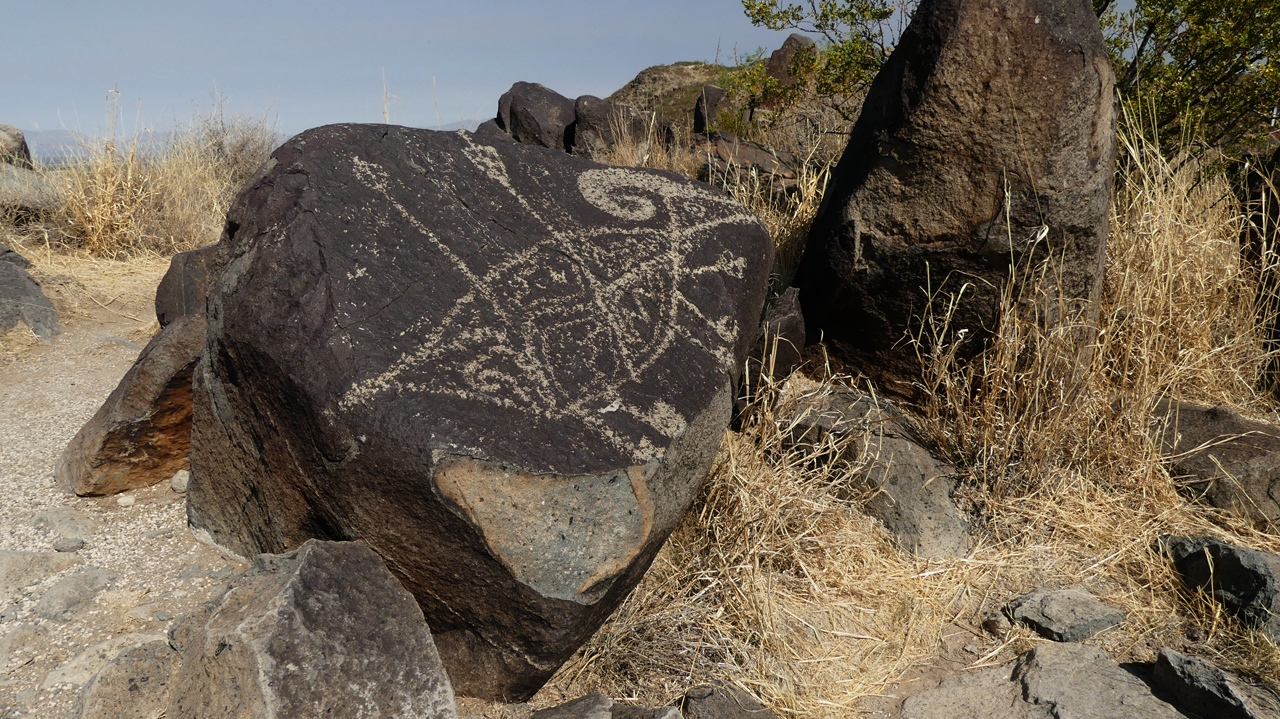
63, 614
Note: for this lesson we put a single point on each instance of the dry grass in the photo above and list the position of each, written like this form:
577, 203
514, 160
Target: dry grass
127, 199
776, 581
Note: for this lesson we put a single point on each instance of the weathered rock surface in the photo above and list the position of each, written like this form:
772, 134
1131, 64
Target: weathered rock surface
781, 61
22, 569
133, 685
732, 160
535, 114
323, 631
22, 300
1245, 581
719, 700
1052, 680
80, 669
7, 254
66, 522
13, 147
776, 353
979, 98
1208, 691
706, 110
910, 489
182, 290
26, 191
600, 125
142, 434
1064, 615
1231, 462
69, 595
506, 369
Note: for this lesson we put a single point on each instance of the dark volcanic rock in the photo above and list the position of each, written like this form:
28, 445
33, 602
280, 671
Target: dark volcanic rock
591, 706
979, 97
782, 60
719, 700
599, 125
706, 111
22, 300
183, 288
506, 369
1245, 581
535, 114
142, 434
8, 255
1210, 692
733, 160
134, 684
1064, 615
781, 337
1260, 235
1052, 680
1231, 462
324, 631
910, 489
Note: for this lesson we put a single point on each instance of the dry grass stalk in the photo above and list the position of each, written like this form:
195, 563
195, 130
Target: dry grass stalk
776, 581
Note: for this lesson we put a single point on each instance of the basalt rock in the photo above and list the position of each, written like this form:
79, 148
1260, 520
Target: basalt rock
535, 114
323, 631
981, 100
600, 125
183, 288
142, 434
1245, 581
22, 300
782, 61
733, 160
706, 110
504, 368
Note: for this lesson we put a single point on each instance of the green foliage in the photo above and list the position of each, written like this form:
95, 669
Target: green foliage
1208, 69
850, 50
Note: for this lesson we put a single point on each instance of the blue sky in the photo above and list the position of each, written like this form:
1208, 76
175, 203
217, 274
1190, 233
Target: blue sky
310, 63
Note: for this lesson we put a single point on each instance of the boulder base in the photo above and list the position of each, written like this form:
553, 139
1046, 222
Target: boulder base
506, 369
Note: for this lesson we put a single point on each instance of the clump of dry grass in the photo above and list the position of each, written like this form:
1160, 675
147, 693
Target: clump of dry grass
778, 582
127, 198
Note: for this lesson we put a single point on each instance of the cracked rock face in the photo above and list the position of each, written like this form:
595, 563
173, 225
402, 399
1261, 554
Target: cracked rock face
981, 100
505, 369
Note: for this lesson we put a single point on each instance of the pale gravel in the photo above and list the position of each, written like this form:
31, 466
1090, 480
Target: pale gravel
46, 394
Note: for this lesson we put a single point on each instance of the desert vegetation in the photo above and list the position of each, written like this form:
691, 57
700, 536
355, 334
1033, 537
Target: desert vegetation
775, 580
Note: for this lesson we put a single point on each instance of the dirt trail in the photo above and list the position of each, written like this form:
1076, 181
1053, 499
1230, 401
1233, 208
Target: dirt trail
46, 393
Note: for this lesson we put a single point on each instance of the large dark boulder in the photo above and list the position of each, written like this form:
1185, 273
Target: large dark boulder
599, 126
535, 114
142, 434
1218, 455
981, 100
1246, 582
505, 368
782, 61
325, 631
706, 110
22, 300
182, 290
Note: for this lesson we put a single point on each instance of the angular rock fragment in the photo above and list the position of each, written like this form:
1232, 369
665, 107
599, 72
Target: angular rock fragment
535, 114
1052, 680
1208, 691
136, 683
733, 160
69, 595
910, 489
13, 147
506, 369
591, 706
7, 254
80, 669
323, 631
600, 125
719, 700
981, 100
142, 434
1245, 581
22, 300
706, 110
1231, 462
183, 288
1064, 615
781, 62
777, 353
22, 569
